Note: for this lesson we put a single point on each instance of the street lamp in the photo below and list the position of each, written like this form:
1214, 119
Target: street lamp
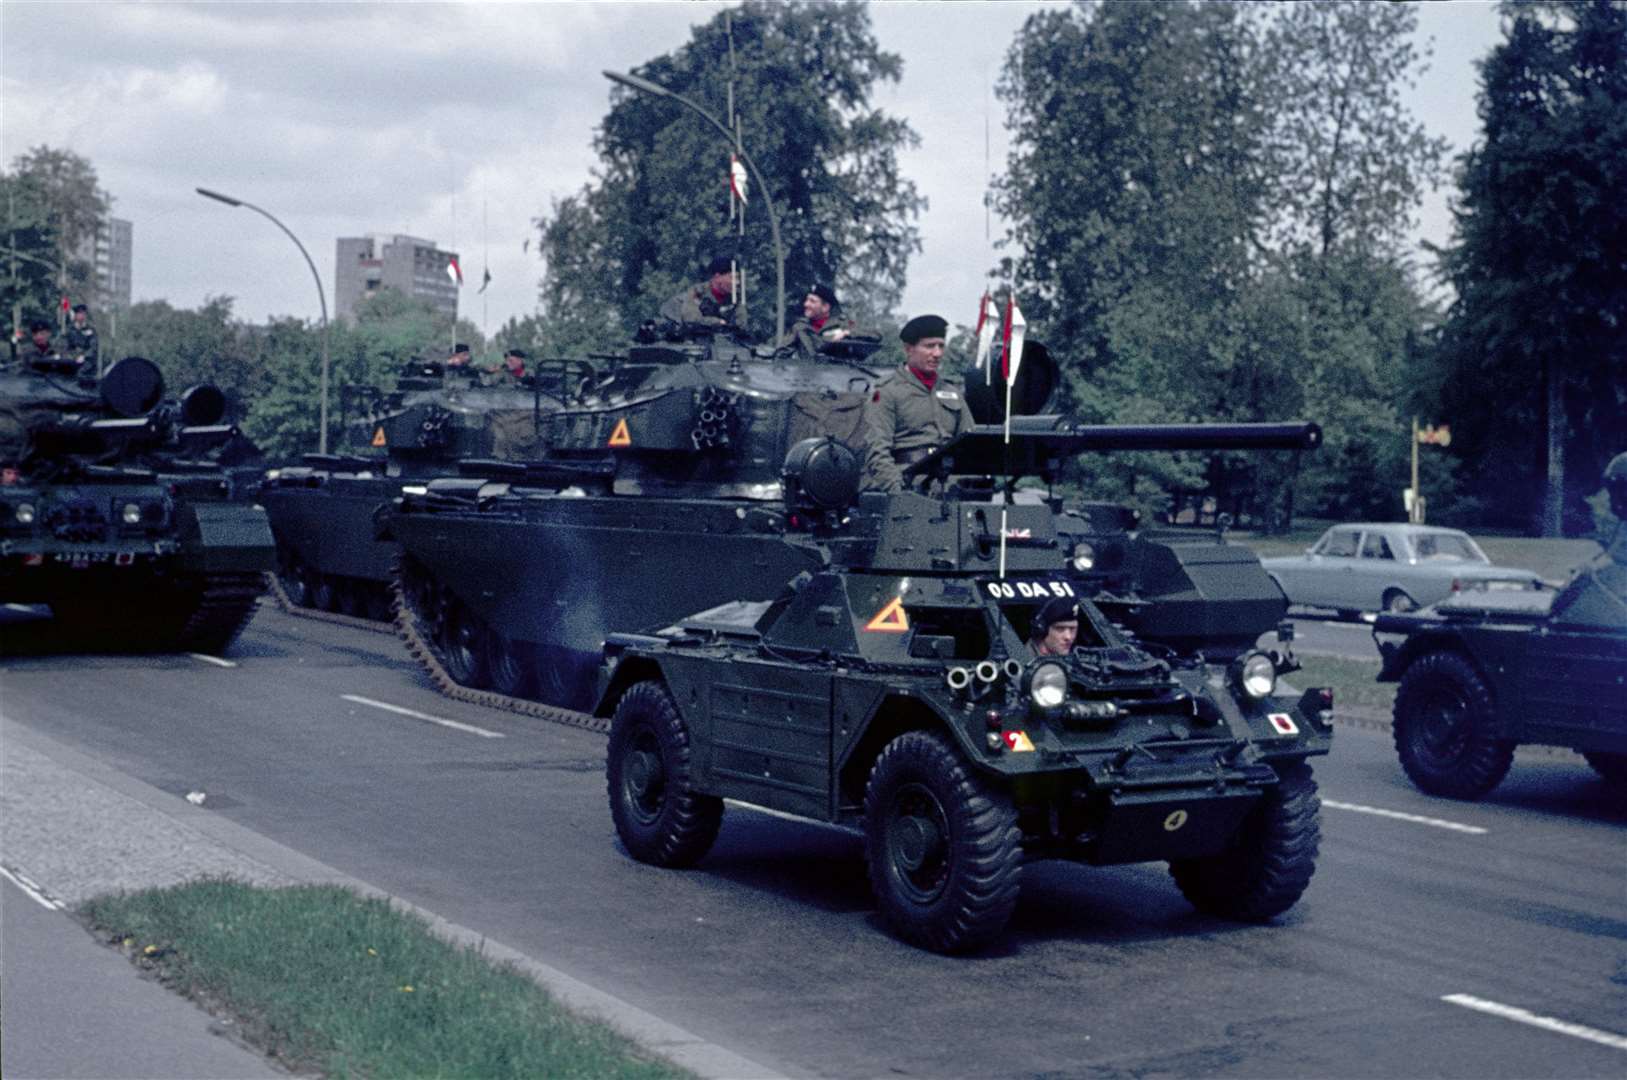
655, 90
322, 298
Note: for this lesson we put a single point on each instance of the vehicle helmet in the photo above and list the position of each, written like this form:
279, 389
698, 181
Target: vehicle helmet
1057, 609
1615, 484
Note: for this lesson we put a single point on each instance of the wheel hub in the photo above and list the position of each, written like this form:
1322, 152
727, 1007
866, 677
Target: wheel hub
917, 841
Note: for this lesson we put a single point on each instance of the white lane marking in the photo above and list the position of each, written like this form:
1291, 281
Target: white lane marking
441, 720
34, 892
217, 661
1547, 1023
1416, 819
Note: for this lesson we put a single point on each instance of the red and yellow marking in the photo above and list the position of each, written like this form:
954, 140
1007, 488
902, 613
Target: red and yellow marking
890, 619
621, 436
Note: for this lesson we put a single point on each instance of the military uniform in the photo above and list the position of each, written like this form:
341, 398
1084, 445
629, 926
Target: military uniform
696, 304
806, 340
82, 344
905, 421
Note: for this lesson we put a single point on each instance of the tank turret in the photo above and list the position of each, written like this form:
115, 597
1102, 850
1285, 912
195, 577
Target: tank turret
122, 510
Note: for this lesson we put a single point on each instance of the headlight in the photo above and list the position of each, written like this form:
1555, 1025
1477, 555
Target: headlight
1257, 675
1084, 557
25, 513
1048, 686
131, 513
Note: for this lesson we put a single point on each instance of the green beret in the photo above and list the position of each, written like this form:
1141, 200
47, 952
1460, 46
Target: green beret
924, 326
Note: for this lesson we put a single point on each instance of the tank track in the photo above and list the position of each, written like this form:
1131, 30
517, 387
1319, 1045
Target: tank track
225, 605
279, 595
413, 636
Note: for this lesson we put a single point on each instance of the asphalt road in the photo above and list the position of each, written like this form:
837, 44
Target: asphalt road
1429, 927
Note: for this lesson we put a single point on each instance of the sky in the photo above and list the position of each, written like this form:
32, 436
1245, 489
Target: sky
460, 123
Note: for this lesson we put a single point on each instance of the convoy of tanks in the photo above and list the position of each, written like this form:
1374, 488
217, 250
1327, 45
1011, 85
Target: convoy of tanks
671, 544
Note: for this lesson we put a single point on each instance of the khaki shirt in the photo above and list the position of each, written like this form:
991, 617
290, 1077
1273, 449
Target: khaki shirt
697, 305
806, 340
904, 420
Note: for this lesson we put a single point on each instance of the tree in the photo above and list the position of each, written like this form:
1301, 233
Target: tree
53, 207
1534, 351
659, 209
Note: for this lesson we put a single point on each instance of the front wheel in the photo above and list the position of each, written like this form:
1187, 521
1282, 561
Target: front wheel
944, 851
659, 815
1397, 602
1269, 863
1443, 728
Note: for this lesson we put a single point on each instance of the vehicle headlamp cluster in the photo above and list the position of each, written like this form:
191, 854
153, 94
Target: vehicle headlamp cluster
24, 513
1083, 558
1255, 674
142, 513
1047, 685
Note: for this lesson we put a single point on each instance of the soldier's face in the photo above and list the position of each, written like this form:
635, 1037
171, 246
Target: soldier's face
1059, 638
814, 308
925, 355
79, 318
42, 338
722, 283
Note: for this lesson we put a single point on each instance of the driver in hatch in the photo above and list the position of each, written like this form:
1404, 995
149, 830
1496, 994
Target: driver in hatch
1055, 628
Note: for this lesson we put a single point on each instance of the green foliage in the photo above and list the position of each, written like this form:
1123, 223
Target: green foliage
1174, 256
1536, 261
52, 203
659, 208
333, 983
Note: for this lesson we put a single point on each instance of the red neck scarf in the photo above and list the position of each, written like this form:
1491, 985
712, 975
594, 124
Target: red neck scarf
928, 378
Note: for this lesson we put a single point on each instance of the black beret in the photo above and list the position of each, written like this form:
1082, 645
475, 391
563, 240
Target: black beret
924, 326
720, 265
825, 293
37, 325
517, 352
460, 347
81, 307
1057, 609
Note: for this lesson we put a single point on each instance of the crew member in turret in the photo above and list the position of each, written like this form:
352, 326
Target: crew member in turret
39, 331
819, 323
511, 372
459, 357
81, 337
713, 302
1055, 627
916, 409
1597, 595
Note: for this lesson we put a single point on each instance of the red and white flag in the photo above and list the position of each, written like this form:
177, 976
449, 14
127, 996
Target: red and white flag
737, 178
988, 317
1016, 325
454, 271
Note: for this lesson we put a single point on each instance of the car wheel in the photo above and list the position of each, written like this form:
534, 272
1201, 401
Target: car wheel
659, 815
1613, 767
1443, 728
943, 850
1397, 602
1270, 860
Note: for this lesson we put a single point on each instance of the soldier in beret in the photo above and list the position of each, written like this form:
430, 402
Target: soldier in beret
818, 324
81, 337
712, 302
1055, 628
915, 409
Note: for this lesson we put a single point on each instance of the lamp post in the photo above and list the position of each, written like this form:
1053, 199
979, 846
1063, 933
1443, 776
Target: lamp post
655, 90
322, 298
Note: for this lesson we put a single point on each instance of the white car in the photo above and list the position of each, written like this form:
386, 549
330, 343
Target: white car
1389, 567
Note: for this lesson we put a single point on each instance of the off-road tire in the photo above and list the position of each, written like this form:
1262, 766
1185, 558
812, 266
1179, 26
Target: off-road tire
1399, 602
1270, 859
1443, 720
659, 816
1612, 767
943, 849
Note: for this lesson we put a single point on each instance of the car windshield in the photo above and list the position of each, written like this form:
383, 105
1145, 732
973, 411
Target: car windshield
1446, 547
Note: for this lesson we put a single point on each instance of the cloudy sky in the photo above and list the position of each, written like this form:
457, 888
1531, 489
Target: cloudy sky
459, 123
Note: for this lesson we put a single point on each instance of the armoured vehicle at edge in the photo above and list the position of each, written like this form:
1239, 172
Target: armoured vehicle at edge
1487, 671
323, 510
891, 688
123, 511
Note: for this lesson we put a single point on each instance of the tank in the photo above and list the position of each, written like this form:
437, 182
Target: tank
512, 575
126, 512
323, 510
901, 687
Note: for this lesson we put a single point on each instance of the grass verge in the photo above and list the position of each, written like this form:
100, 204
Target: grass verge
327, 980
1352, 682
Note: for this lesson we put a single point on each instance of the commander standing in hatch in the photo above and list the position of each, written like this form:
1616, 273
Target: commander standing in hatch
915, 410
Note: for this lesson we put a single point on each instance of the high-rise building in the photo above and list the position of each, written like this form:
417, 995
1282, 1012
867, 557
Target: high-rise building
109, 253
366, 264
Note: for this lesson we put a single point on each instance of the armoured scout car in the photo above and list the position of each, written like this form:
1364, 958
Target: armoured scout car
1488, 671
892, 689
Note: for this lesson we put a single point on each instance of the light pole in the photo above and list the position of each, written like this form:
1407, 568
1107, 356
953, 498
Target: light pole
322, 435
655, 90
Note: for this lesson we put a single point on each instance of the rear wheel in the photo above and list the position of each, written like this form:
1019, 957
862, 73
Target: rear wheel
1270, 860
1397, 602
1613, 767
1443, 728
944, 851
659, 815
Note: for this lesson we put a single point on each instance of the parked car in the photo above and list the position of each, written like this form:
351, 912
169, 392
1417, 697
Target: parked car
1390, 567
